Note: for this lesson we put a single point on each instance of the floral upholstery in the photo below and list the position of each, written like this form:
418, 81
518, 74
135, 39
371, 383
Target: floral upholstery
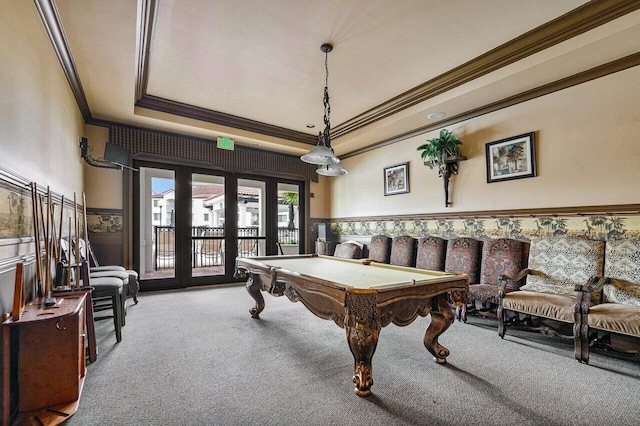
622, 267
380, 249
499, 257
348, 250
431, 253
463, 257
557, 264
403, 251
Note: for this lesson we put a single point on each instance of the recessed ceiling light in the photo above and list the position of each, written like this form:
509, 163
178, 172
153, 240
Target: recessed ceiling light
436, 115
310, 126
255, 143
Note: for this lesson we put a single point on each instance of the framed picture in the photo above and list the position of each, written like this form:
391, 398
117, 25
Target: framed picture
511, 158
396, 179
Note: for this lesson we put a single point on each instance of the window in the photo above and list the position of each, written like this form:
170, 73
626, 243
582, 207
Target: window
155, 203
156, 217
206, 217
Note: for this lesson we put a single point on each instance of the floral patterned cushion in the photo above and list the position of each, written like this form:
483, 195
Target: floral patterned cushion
380, 249
348, 251
463, 257
403, 251
431, 253
557, 264
622, 266
502, 256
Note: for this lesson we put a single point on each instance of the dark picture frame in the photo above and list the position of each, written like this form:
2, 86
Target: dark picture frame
511, 158
396, 179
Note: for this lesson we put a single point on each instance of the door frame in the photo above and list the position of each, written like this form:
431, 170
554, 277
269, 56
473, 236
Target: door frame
183, 182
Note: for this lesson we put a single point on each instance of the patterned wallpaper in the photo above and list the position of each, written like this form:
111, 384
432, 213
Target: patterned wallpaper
594, 227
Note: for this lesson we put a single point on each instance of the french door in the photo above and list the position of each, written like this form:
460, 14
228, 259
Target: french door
190, 224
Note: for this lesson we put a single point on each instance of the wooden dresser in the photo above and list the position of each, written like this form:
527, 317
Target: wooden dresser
51, 360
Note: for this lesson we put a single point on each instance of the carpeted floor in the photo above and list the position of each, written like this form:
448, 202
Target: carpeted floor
195, 357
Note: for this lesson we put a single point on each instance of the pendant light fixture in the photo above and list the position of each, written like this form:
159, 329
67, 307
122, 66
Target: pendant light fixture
322, 154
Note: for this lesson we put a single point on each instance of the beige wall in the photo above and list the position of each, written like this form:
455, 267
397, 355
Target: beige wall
588, 153
103, 186
40, 124
320, 203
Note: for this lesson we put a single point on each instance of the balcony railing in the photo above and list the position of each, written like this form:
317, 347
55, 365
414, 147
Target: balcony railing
208, 244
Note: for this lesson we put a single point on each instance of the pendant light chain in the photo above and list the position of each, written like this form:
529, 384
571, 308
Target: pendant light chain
327, 106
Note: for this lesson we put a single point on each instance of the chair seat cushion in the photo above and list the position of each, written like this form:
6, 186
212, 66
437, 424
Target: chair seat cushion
615, 317
121, 275
545, 305
106, 285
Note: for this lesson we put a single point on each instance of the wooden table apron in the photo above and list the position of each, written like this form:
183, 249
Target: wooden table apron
362, 311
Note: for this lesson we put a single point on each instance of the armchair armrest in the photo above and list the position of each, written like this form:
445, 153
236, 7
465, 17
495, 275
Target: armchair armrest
505, 279
594, 284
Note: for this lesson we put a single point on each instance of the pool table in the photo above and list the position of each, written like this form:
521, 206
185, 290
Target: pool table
360, 296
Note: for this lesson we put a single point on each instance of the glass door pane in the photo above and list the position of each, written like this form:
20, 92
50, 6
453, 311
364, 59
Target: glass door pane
252, 223
157, 250
207, 225
288, 218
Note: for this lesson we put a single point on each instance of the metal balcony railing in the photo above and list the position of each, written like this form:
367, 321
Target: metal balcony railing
208, 244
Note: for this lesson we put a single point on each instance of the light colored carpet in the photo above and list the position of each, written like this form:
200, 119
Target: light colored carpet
196, 357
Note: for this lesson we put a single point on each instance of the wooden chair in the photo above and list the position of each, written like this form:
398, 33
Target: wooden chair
403, 251
614, 323
463, 257
557, 266
431, 253
500, 257
380, 249
348, 250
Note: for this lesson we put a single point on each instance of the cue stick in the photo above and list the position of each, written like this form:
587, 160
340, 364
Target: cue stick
86, 230
36, 234
44, 231
59, 248
77, 238
48, 300
69, 257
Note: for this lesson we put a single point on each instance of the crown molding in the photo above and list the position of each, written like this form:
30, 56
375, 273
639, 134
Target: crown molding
202, 114
569, 25
52, 24
555, 86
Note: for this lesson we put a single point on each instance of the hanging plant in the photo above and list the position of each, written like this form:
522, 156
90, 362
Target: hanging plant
442, 152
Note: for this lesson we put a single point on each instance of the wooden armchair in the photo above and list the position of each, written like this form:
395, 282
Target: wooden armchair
614, 323
557, 265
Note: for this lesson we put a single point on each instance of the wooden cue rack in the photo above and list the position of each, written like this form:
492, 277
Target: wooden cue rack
51, 360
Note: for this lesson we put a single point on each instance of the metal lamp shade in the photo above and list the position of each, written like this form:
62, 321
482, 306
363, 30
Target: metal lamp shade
332, 170
320, 155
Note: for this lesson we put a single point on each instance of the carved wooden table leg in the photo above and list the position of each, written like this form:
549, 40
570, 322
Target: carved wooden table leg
441, 319
253, 287
362, 328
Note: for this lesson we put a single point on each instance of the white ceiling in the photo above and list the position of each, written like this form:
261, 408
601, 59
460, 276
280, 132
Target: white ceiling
261, 60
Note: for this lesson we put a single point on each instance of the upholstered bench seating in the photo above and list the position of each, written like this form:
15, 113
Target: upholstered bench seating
557, 266
614, 323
